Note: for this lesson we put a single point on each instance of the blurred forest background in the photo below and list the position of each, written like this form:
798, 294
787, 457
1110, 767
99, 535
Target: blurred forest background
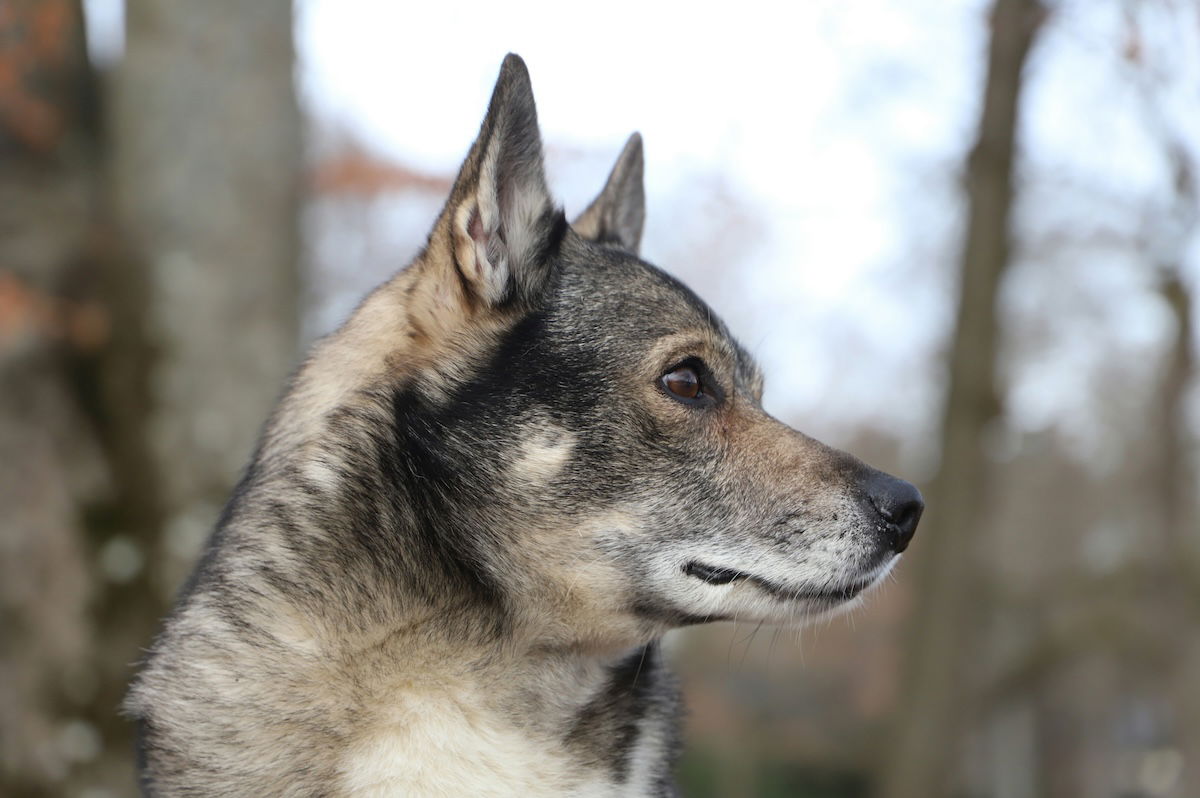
179, 215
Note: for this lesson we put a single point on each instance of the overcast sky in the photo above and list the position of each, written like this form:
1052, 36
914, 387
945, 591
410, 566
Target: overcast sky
838, 125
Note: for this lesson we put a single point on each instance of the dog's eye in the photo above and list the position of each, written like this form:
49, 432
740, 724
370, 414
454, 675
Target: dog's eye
682, 382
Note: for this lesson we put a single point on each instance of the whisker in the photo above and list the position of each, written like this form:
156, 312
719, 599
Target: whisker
750, 642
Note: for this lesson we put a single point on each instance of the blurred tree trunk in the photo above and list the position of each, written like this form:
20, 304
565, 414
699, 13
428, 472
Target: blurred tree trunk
923, 750
207, 166
148, 316
1175, 478
1178, 577
1171, 476
51, 465
1181, 574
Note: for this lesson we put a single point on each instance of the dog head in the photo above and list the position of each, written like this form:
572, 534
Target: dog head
562, 430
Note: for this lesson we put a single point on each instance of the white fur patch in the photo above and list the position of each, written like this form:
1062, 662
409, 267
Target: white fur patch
322, 474
438, 745
543, 456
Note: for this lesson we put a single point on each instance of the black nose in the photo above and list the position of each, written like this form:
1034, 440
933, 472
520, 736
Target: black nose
899, 503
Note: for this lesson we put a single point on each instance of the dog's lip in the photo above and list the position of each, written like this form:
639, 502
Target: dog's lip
713, 575
716, 575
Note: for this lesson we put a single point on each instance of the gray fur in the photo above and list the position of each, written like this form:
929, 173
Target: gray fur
478, 508
618, 214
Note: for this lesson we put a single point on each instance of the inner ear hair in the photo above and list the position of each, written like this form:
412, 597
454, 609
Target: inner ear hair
501, 212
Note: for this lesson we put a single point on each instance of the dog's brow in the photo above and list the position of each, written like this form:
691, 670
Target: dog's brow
746, 369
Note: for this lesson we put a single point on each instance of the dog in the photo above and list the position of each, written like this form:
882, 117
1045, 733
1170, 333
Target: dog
479, 506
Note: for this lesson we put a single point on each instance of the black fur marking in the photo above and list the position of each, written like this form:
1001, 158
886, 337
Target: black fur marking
639, 687
671, 617
714, 576
422, 469
723, 576
421, 496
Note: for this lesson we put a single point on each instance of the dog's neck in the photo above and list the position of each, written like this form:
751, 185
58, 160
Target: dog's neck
418, 622
523, 685
584, 723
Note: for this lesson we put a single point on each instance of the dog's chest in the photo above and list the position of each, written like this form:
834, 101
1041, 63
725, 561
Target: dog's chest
430, 745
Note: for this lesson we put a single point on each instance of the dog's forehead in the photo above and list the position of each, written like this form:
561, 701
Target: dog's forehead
617, 296
616, 293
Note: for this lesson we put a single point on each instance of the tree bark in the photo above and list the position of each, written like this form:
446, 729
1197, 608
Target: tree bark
207, 171
148, 317
51, 466
922, 752
1179, 592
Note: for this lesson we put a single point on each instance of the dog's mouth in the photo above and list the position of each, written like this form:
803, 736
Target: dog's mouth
714, 575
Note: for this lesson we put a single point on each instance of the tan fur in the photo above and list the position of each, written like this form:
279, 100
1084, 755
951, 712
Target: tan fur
419, 322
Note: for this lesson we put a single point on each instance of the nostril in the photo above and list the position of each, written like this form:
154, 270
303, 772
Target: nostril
905, 519
899, 503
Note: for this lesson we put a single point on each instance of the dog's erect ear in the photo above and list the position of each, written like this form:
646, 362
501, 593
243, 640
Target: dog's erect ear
501, 217
616, 216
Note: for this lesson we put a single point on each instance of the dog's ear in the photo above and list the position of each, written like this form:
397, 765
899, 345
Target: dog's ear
500, 214
618, 214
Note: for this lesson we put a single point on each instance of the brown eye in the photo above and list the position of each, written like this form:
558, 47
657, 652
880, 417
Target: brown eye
683, 382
